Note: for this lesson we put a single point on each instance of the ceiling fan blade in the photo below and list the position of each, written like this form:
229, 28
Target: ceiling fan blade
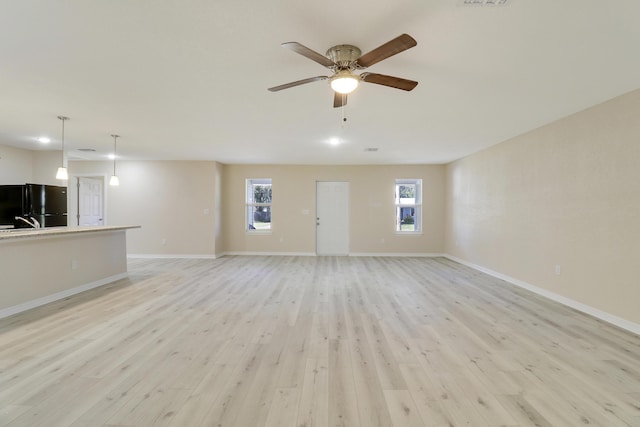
390, 48
297, 83
339, 99
395, 82
309, 53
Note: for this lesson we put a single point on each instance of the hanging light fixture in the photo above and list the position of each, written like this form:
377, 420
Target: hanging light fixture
114, 178
62, 170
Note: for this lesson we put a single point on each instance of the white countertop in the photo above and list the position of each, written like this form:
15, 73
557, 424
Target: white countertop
23, 233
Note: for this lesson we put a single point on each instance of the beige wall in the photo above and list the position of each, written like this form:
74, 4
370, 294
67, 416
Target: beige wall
63, 263
18, 166
372, 212
567, 194
173, 201
217, 209
45, 166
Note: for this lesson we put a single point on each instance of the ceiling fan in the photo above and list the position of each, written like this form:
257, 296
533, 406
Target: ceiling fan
345, 59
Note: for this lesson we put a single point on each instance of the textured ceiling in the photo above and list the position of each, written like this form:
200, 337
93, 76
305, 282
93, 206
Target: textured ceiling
188, 80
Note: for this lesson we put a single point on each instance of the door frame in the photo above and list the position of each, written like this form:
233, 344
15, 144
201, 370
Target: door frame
348, 213
72, 192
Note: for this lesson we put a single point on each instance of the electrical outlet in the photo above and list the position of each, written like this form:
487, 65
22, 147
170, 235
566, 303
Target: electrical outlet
74, 264
558, 270
163, 241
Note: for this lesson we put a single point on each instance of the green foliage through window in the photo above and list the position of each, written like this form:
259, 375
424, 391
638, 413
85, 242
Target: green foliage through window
258, 205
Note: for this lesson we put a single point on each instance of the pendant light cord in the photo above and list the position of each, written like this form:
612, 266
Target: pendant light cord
115, 137
63, 118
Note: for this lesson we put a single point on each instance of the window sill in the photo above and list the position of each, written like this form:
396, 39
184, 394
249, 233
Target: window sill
409, 233
258, 232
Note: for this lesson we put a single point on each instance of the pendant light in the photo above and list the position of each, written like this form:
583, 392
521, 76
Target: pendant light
62, 170
114, 178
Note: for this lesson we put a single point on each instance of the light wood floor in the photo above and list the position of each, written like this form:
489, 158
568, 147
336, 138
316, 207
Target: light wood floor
314, 342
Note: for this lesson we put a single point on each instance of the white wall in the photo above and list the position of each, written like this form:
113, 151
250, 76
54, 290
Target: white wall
567, 195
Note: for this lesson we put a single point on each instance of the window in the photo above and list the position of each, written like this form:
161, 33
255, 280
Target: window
258, 205
408, 205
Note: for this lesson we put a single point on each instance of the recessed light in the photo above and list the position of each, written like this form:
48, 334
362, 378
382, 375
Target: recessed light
111, 156
334, 141
44, 140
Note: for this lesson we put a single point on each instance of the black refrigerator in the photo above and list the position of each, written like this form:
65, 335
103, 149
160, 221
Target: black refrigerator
46, 203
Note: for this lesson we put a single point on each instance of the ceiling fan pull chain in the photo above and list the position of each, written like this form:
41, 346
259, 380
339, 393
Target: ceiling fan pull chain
344, 119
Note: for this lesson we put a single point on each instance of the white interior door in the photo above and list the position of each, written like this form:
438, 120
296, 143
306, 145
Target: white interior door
332, 218
90, 201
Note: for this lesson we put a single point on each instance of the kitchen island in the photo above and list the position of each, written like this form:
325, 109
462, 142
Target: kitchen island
38, 266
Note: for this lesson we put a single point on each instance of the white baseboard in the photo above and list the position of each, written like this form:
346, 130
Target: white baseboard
254, 253
599, 314
251, 253
172, 256
398, 254
357, 254
10, 311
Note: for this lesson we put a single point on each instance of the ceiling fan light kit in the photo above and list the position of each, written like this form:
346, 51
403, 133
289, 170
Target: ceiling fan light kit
344, 82
344, 59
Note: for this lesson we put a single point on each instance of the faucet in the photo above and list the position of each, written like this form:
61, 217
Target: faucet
34, 224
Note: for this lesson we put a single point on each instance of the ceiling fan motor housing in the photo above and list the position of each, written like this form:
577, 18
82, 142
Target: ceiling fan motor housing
344, 55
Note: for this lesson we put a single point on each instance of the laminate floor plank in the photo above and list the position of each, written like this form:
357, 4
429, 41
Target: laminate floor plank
314, 342
386, 365
283, 409
368, 386
402, 408
226, 408
314, 400
525, 414
343, 399
9, 413
425, 396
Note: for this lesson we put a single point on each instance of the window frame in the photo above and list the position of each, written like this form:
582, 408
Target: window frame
416, 206
249, 204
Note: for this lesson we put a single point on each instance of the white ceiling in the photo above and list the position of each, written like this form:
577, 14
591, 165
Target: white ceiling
188, 79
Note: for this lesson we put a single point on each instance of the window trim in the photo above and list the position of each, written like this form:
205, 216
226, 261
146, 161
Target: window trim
417, 205
250, 182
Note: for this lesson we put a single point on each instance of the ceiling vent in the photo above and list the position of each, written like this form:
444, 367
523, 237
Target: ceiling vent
484, 2
371, 149
87, 150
